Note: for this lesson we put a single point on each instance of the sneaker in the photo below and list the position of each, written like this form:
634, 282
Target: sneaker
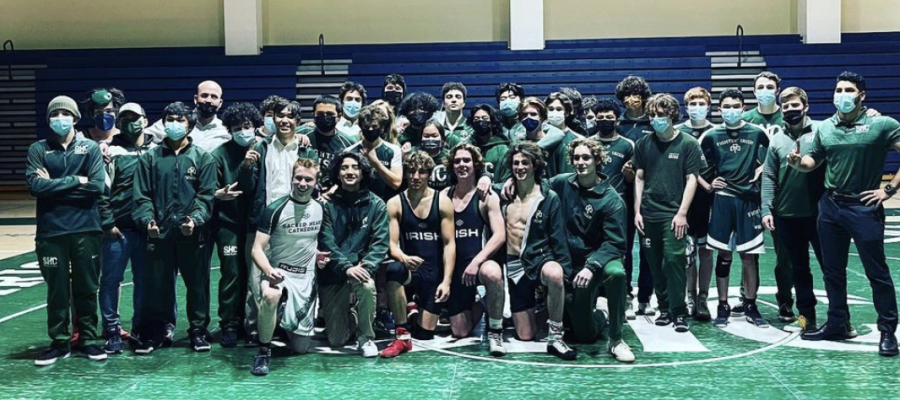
738, 310
92, 352
690, 302
701, 311
495, 343
645, 309
752, 315
229, 338
723, 312
114, 344
261, 362
401, 345
802, 324
198, 341
50, 356
145, 347
664, 319
560, 349
367, 347
852, 333
621, 352
681, 325
252, 340
786, 314
629, 311
169, 338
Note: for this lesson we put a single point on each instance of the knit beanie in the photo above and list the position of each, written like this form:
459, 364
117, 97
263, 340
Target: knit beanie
63, 103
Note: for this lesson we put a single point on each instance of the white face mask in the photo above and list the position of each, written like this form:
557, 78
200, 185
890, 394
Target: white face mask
556, 118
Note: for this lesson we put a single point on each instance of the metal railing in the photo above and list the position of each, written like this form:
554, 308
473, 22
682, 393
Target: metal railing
8, 48
739, 32
322, 52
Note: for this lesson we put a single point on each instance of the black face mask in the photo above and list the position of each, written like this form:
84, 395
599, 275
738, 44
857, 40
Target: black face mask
325, 122
418, 119
206, 110
793, 117
371, 135
481, 127
392, 97
606, 127
431, 146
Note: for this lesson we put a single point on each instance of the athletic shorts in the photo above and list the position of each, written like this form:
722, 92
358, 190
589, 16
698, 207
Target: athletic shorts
698, 216
462, 297
300, 293
735, 225
421, 284
521, 293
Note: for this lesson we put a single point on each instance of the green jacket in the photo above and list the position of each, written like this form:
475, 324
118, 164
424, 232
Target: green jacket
228, 158
787, 192
493, 151
117, 203
545, 235
169, 187
459, 134
64, 206
354, 230
410, 135
595, 222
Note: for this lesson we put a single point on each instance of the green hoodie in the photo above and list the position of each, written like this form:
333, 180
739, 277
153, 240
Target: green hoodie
493, 151
228, 158
545, 235
354, 230
117, 202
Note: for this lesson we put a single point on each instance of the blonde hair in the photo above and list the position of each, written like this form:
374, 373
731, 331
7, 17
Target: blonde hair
697, 93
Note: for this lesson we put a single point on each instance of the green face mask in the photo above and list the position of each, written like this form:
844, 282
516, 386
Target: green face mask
133, 130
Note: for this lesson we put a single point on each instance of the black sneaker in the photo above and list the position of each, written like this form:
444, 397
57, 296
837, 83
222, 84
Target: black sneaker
738, 310
50, 356
786, 314
701, 312
114, 343
169, 338
560, 349
229, 338
92, 352
145, 347
663, 319
751, 313
252, 340
723, 312
681, 325
198, 341
261, 362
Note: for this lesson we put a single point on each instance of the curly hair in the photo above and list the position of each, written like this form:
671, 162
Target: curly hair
533, 152
477, 160
598, 151
417, 159
307, 163
238, 113
351, 86
663, 104
180, 109
365, 168
605, 104
379, 111
632, 85
268, 104
496, 119
416, 101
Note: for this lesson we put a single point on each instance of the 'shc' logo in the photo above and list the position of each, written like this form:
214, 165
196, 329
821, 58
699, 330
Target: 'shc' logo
50, 262
229, 251
674, 156
735, 148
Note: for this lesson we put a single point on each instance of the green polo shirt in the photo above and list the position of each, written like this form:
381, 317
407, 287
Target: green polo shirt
787, 192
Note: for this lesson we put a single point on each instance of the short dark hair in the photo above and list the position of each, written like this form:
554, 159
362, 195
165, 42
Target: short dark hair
182, 110
418, 100
496, 119
509, 87
268, 104
854, 78
292, 106
533, 152
565, 100
328, 99
365, 168
768, 75
117, 99
605, 104
731, 93
395, 79
351, 86
438, 125
454, 86
238, 113
575, 96
632, 85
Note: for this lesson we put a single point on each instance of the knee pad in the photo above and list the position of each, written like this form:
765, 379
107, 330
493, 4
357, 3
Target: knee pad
396, 272
723, 267
420, 333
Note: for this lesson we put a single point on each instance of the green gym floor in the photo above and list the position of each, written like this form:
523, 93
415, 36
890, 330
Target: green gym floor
739, 362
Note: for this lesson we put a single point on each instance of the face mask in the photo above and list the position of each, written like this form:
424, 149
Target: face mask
206, 110
392, 97
732, 115
531, 124
351, 108
765, 97
62, 125
105, 122
431, 146
845, 102
133, 129
244, 137
175, 130
698, 113
325, 122
659, 124
270, 125
371, 135
481, 127
556, 118
590, 126
793, 117
417, 119
606, 127
509, 107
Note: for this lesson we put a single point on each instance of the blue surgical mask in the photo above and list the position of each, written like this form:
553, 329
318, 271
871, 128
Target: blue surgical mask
845, 102
556, 118
698, 113
531, 124
659, 124
351, 108
270, 125
175, 130
732, 115
509, 107
105, 122
244, 137
62, 125
765, 97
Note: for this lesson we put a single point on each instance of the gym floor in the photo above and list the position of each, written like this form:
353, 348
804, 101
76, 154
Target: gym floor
738, 362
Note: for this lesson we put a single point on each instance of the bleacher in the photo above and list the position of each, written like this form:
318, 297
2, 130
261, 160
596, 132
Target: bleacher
155, 77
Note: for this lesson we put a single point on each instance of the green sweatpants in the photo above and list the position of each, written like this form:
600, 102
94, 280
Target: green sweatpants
667, 261
231, 246
187, 256
585, 322
341, 318
70, 264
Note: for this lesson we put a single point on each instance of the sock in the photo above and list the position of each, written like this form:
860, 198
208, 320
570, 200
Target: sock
556, 330
421, 333
495, 323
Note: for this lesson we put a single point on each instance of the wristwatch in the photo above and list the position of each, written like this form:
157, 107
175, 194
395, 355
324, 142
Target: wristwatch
890, 189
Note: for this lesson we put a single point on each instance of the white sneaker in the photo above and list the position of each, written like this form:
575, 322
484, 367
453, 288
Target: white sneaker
495, 344
367, 347
603, 306
621, 352
629, 311
645, 309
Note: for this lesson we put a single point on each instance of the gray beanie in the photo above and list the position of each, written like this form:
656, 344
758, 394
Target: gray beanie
63, 103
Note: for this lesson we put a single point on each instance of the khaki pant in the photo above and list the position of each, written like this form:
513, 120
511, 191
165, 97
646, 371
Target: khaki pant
341, 318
